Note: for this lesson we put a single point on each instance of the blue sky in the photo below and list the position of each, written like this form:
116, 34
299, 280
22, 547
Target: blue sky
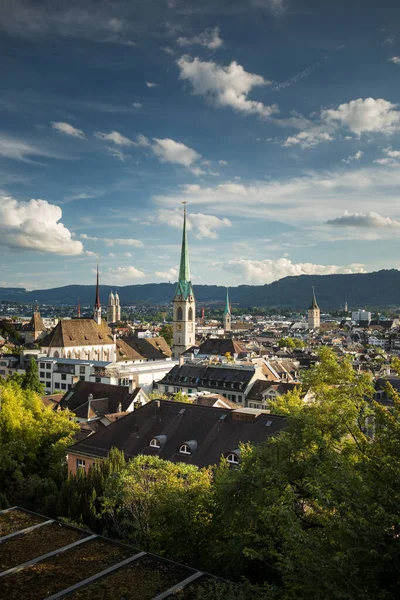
278, 121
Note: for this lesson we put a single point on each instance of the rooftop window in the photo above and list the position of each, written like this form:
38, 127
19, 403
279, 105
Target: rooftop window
232, 459
155, 443
184, 449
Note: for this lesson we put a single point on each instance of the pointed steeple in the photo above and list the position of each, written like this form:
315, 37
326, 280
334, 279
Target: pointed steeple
97, 302
314, 304
184, 287
184, 269
227, 310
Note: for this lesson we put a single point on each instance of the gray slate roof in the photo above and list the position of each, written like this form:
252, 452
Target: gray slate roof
217, 431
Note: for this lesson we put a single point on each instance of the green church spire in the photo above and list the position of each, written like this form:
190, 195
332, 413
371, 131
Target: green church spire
227, 310
314, 300
184, 269
184, 287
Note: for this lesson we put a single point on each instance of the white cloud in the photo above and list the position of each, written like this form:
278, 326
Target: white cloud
307, 139
365, 115
35, 225
110, 242
300, 201
210, 39
357, 156
364, 220
151, 84
67, 129
392, 157
14, 148
395, 60
167, 50
223, 163
203, 226
118, 154
268, 270
225, 86
115, 137
169, 275
137, 104
125, 273
168, 150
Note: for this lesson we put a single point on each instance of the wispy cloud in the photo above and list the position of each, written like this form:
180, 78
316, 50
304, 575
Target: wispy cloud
110, 242
67, 129
210, 39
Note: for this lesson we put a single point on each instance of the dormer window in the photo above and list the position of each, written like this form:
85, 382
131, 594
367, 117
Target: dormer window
158, 442
233, 458
184, 449
188, 447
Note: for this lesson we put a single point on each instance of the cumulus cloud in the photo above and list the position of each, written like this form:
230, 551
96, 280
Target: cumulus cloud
268, 270
125, 273
110, 242
225, 86
67, 129
137, 104
365, 115
169, 275
35, 225
203, 226
307, 139
392, 157
364, 220
357, 156
168, 150
395, 60
210, 39
151, 84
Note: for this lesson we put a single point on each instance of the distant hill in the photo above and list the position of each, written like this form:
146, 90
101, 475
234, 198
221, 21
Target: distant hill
380, 289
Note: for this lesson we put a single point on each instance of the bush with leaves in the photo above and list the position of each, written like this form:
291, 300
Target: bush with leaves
33, 442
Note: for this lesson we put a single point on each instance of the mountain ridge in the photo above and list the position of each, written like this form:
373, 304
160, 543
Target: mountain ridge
378, 288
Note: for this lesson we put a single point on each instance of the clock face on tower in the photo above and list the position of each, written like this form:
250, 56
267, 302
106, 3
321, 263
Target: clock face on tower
179, 327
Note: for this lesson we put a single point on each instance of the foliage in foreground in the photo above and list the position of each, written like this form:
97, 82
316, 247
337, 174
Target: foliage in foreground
33, 442
313, 513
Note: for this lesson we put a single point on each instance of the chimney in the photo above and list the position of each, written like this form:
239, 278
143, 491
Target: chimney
157, 407
90, 398
119, 409
181, 360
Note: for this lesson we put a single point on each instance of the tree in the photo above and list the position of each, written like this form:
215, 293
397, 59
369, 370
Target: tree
33, 443
321, 516
31, 379
167, 333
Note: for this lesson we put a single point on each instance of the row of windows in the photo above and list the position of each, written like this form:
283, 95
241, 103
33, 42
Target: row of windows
232, 458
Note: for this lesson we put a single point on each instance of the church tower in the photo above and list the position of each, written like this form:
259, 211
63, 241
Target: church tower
97, 305
227, 313
184, 307
117, 307
314, 313
111, 309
